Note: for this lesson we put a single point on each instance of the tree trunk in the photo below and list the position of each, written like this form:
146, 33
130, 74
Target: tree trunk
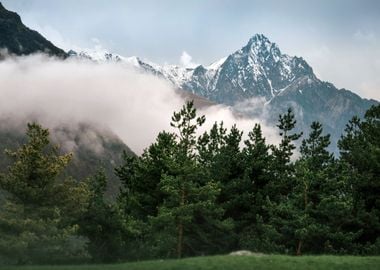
299, 246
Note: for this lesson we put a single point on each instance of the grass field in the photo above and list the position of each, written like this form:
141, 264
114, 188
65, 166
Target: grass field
232, 263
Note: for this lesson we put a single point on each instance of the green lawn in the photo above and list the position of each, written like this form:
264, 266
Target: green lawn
233, 263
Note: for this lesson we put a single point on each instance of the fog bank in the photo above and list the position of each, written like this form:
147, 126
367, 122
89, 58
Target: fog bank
133, 105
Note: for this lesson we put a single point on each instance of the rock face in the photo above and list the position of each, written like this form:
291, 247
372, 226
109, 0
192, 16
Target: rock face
257, 70
259, 80
18, 39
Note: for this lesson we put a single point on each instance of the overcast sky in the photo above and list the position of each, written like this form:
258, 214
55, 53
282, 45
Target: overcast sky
340, 39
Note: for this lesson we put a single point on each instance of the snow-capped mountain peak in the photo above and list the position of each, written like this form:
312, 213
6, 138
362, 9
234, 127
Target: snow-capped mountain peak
260, 43
257, 70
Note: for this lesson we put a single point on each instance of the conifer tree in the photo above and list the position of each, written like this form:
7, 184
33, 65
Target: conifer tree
189, 211
257, 175
37, 217
103, 223
359, 148
278, 208
282, 166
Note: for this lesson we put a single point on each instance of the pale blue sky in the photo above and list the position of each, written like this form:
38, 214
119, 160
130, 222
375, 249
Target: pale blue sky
339, 38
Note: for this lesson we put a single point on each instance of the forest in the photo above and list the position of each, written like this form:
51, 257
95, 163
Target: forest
194, 195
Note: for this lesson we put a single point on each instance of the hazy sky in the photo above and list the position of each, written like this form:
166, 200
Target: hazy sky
340, 39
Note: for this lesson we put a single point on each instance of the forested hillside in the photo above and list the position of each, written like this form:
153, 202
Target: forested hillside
91, 148
190, 195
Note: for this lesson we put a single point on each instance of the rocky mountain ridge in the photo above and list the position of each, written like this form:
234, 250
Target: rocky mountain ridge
256, 80
259, 80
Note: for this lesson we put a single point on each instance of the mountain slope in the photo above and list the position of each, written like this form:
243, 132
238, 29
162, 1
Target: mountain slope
91, 146
259, 80
18, 39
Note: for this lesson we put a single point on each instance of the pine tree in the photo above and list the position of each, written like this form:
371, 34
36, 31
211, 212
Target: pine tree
189, 211
308, 217
359, 148
210, 144
37, 217
310, 175
257, 175
141, 194
103, 223
285, 150
226, 166
282, 166
140, 177
257, 161
278, 209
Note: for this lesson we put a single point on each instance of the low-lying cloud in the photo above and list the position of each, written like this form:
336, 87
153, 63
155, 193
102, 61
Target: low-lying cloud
133, 105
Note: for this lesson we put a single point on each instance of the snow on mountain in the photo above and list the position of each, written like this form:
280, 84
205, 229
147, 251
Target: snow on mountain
258, 71
100, 55
216, 65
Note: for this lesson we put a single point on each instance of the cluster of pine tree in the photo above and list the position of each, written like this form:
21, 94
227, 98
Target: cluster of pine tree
190, 195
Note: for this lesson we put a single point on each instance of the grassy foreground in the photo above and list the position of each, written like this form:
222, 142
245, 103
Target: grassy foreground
232, 263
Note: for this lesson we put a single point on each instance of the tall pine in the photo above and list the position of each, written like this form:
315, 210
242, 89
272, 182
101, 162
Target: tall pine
38, 215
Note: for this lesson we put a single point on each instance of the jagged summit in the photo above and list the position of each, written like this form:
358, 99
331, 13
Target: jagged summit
260, 45
260, 41
260, 71
258, 38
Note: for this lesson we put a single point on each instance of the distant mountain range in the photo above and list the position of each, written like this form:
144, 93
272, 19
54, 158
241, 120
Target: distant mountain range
256, 80
259, 80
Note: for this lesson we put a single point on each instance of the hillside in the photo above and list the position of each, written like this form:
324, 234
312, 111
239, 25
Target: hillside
91, 147
18, 39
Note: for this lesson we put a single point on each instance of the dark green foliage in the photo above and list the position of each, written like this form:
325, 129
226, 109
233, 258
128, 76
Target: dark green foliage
256, 234
282, 166
103, 223
169, 192
220, 153
190, 195
314, 149
360, 149
274, 222
140, 177
85, 159
38, 209
35, 166
284, 151
275, 204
